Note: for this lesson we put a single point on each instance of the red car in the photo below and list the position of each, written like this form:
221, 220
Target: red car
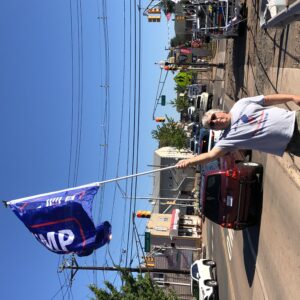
231, 191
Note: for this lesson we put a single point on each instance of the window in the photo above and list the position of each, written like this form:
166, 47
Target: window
160, 276
185, 232
195, 271
159, 279
212, 194
186, 222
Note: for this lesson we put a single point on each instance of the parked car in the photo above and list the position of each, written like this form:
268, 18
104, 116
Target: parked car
204, 283
193, 114
196, 128
203, 140
194, 145
195, 117
191, 110
203, 101
230, 191
200, 139
202, 145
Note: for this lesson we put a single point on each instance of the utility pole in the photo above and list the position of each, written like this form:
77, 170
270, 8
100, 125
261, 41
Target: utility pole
203, 64
177, 204
137, 270
161, 198
168, 283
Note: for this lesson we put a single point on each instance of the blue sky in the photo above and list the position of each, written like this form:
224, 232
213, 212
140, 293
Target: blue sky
54, 128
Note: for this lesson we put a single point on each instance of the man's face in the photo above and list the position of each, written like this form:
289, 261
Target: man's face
219, 121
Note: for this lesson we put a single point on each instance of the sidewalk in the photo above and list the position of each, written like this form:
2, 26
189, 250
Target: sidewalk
286, 80
218, 75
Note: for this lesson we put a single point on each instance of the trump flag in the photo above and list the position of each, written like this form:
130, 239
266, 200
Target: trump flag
62, 221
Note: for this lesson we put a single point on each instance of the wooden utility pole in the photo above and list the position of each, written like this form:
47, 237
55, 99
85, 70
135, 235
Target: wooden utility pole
138, 270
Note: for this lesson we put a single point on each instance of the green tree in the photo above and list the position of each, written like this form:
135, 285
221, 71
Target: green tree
140, 287
177, 40
170, 134
179, 89
181, 103
167, 6
183, 79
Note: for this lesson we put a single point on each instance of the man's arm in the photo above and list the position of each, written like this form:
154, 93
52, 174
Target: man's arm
201, 158
281, 98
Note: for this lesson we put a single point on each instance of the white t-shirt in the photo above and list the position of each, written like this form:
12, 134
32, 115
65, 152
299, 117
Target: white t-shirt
253, 126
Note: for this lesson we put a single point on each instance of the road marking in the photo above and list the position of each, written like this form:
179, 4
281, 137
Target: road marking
229, 242
208, 254
231, 286
257, 268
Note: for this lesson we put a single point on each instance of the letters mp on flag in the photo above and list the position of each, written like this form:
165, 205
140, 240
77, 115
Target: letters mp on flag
62, 221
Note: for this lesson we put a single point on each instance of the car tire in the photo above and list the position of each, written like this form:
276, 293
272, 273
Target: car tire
209, 262
211, 283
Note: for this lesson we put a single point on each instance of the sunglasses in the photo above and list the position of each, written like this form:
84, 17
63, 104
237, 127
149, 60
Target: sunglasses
212, 119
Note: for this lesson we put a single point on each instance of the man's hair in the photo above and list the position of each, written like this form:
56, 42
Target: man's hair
207, 116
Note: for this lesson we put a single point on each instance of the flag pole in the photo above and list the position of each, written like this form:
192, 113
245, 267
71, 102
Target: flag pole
136, 175
87, 185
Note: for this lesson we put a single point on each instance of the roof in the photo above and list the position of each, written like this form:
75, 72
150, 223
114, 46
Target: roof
171, 152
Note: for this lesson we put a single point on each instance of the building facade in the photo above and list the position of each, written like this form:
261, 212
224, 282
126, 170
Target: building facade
174, 243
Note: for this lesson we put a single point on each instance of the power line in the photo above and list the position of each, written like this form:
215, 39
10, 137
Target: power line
72, 92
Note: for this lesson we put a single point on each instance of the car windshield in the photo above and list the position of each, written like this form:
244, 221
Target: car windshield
213, 165
195, 271
212, 193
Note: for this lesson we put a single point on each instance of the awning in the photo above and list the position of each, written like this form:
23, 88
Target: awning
174, 223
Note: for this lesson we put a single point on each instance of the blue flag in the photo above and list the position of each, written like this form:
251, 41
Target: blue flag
62, 221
